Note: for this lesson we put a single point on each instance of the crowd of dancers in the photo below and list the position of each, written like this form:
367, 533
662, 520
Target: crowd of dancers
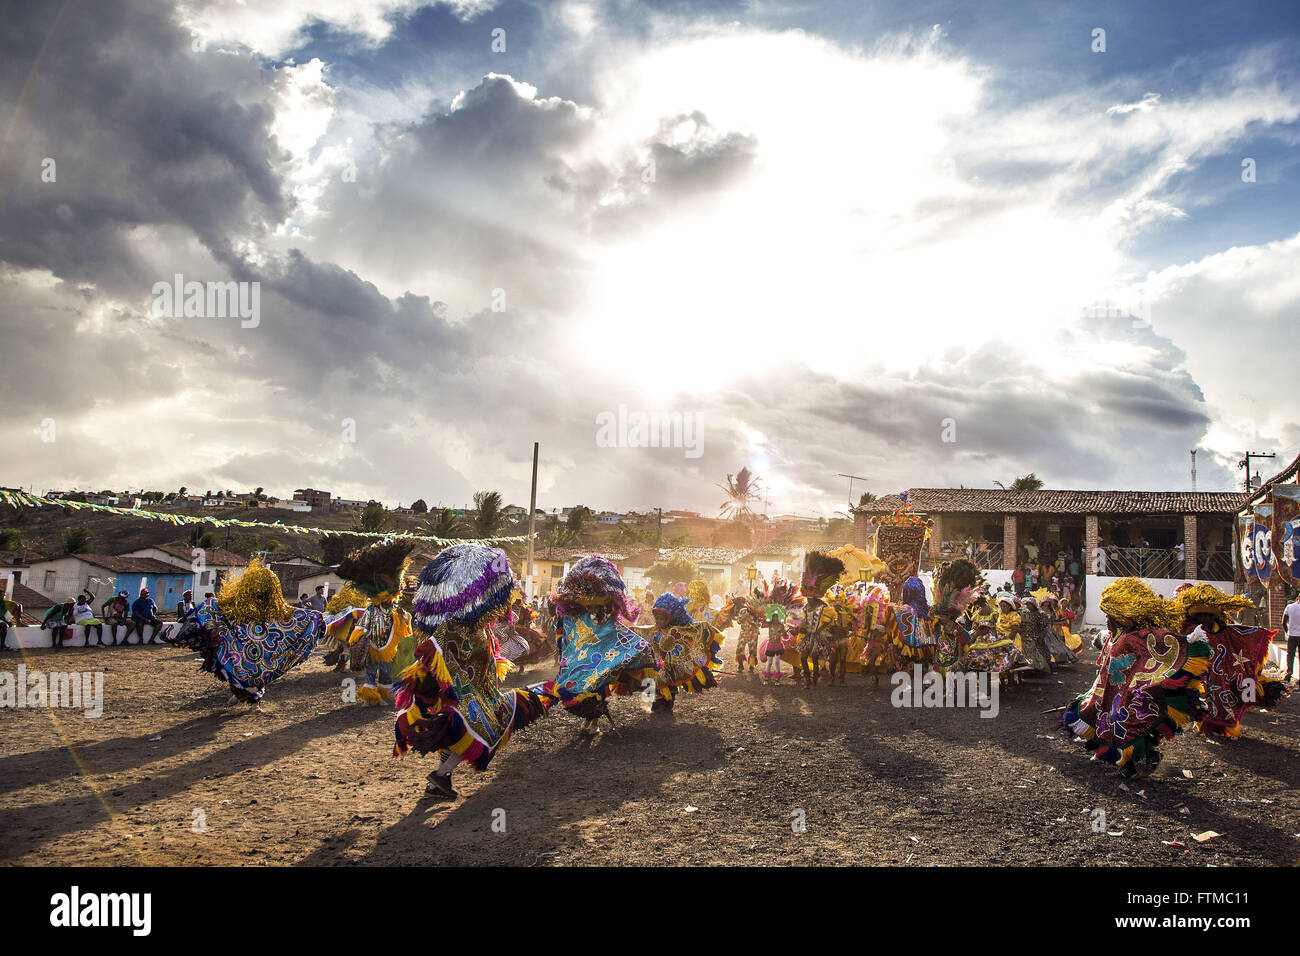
440, 649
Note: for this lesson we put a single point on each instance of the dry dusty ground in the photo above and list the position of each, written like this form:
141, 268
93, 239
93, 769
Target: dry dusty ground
309, 780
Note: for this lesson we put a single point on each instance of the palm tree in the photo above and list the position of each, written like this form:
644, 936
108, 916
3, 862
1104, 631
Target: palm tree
578, 521
1029, 482
742, 491
487, 513
866, 499
446, 525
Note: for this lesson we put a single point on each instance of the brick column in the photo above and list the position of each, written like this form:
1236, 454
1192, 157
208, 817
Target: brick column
1091, 538
1191, 548
1276, 600
1010, 542
936, 536
860, 535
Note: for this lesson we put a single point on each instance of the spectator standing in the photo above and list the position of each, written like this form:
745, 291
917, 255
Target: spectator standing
11, 612
1291, 622
317, 601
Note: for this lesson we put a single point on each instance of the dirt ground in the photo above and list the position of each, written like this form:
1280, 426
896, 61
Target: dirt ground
309, 780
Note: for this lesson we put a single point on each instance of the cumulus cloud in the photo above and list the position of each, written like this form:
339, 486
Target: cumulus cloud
825, 253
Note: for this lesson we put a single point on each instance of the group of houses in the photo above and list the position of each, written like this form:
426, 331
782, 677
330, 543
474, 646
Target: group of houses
167, 570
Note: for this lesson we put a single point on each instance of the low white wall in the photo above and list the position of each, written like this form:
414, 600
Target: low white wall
36, 637
1165, 587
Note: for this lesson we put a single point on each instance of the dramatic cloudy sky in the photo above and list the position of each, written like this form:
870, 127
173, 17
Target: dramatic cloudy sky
837, 233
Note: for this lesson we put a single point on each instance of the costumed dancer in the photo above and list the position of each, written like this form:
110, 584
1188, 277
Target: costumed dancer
374, 630
879, 655
689, 651
954, 589
913, 630
450, 700
821, 634
337, 650
599, 654
1149, 680
1061, 644
991, 647
741, 610
781, 600
1035, 629
698, 593
1238, 656
251, 636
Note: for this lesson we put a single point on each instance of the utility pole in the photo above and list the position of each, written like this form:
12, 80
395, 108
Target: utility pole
1245, 463
532, 525
659, 528
1193, 469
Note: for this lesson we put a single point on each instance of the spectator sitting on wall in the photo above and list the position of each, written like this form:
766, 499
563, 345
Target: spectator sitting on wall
186, 606
11, 612
84, 614
145, 612
117, 610
59, 621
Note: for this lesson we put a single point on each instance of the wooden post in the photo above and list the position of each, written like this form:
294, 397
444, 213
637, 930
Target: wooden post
532, 525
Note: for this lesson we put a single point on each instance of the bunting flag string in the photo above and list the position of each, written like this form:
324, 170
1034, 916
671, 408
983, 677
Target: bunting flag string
21, 499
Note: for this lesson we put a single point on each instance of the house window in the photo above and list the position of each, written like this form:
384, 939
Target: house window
557, 570
49, 580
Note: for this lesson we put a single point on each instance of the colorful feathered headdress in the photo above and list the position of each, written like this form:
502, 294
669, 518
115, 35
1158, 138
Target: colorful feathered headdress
378, 568
1131, 603
954, 585
594, 584
675, 608
463, 585
820, 571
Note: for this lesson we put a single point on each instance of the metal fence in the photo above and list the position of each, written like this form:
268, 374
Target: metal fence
1142, 563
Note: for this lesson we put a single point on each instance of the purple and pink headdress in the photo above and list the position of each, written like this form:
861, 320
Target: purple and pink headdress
462, 585
594, 584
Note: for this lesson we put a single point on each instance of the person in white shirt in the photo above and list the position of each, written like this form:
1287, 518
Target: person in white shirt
84, 614
1291, 624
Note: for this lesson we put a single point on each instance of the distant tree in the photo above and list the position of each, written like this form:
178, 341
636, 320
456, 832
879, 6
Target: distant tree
77, 540
258, 493
202, 537
181, 491
865, 499
374, 517
578, 522
208, 493
488, 515
335, 547
733, 534
419, 506
445, 525
11, 539
1029, 482
663, 574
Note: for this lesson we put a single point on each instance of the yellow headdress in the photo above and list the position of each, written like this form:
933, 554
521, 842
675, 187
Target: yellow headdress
1207, 599
1132, 603
254, 598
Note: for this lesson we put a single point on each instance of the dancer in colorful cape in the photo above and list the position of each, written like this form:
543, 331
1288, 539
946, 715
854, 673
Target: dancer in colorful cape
599, 654
375, 628
1149, 680
450, 700
251, 636
1238, 656
913, 630
822, 636
740, 609
954, 589
782, 600
689, 651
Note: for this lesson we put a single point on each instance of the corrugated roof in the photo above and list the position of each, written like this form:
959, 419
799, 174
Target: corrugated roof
1046, 501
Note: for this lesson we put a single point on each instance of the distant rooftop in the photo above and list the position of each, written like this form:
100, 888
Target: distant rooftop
1046, 501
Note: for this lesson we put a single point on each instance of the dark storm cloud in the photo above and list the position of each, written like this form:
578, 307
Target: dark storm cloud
144, 131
